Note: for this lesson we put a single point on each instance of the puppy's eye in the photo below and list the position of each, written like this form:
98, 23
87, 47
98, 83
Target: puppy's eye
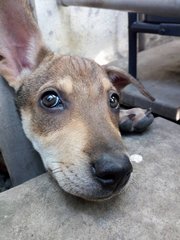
114, 101
50, 99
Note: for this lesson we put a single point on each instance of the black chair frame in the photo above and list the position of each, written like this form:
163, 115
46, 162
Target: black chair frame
150, 24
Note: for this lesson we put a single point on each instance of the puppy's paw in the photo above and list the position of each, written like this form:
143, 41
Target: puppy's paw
135, 120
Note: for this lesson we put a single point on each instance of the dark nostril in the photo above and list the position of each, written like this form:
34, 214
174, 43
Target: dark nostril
112, 171
105, 179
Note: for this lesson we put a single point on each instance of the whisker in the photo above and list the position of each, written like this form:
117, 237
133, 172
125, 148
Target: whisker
55, 169
57, 162
54, 172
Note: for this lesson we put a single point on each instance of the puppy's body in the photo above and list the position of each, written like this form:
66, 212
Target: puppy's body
69, 107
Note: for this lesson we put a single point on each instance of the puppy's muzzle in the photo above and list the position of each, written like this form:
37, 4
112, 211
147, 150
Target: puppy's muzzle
113, 172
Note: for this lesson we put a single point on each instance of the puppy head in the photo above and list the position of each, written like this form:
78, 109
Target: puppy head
69, 108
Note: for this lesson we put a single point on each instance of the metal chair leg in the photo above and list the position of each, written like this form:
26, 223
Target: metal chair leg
132, 17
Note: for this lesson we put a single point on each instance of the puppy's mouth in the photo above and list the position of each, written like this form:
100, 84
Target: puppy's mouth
84, 185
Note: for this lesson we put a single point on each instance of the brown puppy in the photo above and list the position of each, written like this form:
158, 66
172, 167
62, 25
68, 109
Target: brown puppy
69, 107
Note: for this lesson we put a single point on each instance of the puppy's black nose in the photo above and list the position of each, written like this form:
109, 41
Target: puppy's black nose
112, 171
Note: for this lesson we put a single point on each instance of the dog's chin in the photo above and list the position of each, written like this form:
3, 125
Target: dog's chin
96, 197
90, 196
90, 191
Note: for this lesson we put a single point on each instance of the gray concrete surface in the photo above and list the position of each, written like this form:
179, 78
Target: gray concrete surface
148, 210
159, 70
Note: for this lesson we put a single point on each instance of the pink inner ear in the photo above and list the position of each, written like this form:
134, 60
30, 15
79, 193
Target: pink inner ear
17, 30
15, 57
17, 39
19, 53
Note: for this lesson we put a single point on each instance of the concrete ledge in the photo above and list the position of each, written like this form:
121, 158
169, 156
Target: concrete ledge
150, 209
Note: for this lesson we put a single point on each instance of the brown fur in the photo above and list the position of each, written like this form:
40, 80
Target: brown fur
68, 141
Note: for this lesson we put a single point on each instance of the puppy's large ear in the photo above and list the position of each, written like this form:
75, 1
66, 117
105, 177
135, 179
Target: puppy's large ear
121, 79
21, 47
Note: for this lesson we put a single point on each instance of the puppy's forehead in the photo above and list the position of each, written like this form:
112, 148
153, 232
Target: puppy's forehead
69, 74
78, 68
81, 71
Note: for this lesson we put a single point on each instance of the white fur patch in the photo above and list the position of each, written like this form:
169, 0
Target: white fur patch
136, 158
25, 72
31, 52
